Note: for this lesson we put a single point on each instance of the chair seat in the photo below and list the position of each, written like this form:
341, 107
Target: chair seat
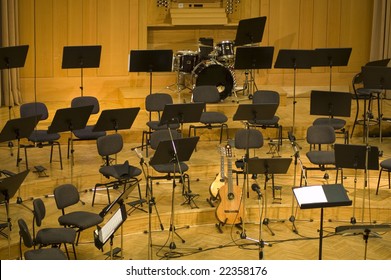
45, 254
366, 93
120, 171
43, 136
80, 219
386, 164
56, 236
213, 117
154, 125
87, 133
321, 157
335, 123
170, 168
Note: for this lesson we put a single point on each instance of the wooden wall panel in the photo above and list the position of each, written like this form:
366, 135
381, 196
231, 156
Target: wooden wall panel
122, 25
113, 35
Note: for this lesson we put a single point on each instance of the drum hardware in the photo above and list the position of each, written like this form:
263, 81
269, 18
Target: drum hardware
214, 73
183, 64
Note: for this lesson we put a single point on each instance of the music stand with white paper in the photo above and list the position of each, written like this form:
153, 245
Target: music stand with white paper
309, 197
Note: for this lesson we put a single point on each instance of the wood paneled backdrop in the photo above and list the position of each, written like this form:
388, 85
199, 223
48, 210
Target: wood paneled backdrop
124, 25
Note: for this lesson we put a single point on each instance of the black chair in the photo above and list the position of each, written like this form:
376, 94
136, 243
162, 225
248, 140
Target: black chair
67, 195
209, 119
268, 97
85, 134
40, 138
246, 140
367, 96
123, 174
36, 254
385, 165
321, 153
154, 104
168, 169
51, 236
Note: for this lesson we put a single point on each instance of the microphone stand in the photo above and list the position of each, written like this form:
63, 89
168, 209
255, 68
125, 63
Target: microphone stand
261, 243
150, 201
296, 151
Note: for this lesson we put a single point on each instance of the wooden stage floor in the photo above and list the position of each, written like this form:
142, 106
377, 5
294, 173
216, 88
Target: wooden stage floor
197, 225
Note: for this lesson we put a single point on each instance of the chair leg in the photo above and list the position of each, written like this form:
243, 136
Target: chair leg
378, 180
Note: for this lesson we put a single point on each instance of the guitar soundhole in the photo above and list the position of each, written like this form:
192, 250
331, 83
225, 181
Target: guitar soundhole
231, 196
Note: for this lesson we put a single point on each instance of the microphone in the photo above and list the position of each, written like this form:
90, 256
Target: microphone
139, 155
256, 189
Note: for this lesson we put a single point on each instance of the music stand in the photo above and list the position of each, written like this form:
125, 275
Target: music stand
365, 230
251, 58
250, 31
330, 103
268, 166
357, 157
294, 59
181, 113
116, 119
107, 231
112, 208
70, 119
12, 57
331, 57
150, 61
17, 129
324, 196
167, 153
81, 57
8, 188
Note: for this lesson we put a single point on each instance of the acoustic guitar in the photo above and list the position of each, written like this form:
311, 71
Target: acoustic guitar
220, 179
230, 209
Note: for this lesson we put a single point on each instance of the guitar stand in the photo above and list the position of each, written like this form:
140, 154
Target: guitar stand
221, 224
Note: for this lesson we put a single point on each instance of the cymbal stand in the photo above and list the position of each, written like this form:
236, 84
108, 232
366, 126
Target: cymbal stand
296, 154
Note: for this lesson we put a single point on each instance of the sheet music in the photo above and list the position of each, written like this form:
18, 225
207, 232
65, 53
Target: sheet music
109, 228
312, 194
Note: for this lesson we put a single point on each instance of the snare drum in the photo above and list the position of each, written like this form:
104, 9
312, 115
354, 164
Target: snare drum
185, 61
225, 50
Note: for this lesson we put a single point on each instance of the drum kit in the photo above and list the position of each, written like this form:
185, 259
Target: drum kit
210, 65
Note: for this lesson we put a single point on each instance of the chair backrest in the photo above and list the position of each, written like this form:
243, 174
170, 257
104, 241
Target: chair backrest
109, 144
39, 211
24, 234
206, 93
266, 97
163, 135
82, 101
155, 102
66, 195
248, 138
34, 109
320, 134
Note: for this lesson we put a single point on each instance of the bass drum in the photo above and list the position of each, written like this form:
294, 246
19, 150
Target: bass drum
214, 75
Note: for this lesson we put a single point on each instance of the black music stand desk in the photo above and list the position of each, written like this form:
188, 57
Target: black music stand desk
253, 112
17, 129
116, 119
324, 196
254, 57
250, 31
182, 113
330, 103
8, 188
150, 61
81, 57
